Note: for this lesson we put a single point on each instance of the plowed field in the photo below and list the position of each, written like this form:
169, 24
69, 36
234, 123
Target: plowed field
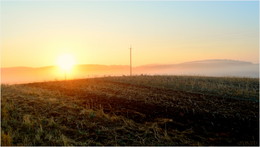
111, 111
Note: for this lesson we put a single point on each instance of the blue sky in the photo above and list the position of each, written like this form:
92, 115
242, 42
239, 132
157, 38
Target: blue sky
160, 31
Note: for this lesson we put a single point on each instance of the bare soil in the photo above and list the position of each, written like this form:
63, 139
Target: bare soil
214, 120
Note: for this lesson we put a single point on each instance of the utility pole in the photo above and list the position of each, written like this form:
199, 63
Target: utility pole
65, 75
130, 60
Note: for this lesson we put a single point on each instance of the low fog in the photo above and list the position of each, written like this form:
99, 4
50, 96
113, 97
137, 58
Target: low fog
230, 68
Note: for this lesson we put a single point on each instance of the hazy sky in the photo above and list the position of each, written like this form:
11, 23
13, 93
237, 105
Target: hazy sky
35, 33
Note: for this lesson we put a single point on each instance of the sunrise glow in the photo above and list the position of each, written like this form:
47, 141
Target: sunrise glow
91, 72
101, 32
57, 40
66, 62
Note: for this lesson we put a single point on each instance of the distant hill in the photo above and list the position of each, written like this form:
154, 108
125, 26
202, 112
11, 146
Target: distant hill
204, 68
225, 61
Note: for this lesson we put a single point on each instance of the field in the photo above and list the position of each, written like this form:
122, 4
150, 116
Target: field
137, 110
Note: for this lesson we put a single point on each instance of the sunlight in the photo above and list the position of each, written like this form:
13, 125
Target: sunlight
66, 62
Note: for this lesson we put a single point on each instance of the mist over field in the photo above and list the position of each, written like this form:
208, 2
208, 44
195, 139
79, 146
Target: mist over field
129, 73
217, 68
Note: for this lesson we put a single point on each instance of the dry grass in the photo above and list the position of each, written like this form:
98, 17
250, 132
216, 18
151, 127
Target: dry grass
228, 87
111, 112
33, 116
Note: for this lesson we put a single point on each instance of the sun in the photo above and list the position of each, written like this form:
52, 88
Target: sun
66, 62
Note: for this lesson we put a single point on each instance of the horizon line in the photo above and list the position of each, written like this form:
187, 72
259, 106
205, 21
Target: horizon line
22, 66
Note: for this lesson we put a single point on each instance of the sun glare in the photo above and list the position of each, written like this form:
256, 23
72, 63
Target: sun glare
66, 62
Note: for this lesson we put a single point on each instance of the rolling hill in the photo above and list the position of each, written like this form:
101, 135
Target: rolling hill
216, 67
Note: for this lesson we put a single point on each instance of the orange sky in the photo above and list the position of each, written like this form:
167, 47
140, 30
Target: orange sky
35, 33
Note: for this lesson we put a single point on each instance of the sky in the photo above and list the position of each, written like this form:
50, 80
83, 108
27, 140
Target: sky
35, 33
